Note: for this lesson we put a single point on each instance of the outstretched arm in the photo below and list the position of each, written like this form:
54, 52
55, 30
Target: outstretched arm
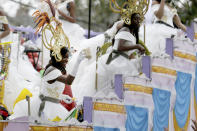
178, 23
6, 27
70, 18
66, 79
160, 12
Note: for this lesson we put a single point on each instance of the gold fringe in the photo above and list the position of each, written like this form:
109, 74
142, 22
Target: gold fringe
109, 107
3, 125
195, 105
163, 70
68, 128
185, 56
139, 88
2, 86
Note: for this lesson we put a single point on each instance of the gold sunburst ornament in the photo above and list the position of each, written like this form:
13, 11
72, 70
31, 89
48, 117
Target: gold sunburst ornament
130, 7
53, 36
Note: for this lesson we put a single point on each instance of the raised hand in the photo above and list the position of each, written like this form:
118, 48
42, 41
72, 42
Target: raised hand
67, 99
141, 48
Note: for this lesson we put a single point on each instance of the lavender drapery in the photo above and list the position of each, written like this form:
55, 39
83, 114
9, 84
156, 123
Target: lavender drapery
28, 32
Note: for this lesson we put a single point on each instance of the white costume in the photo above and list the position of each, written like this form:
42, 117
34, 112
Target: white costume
51, 109
157, 32
74, 31
46, 103
55, 89
21, 73
85, 86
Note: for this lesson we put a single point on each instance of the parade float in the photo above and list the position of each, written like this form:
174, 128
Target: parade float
163, 96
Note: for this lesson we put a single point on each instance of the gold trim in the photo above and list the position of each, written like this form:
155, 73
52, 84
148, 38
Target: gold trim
139, 88
68, 128
6, 43
195, 36
195, 105
2, 88
185, 56
159, 69
3, 125
109, 107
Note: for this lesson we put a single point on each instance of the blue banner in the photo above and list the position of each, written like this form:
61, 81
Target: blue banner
161, 100
97, 128
182, 104
137, 118
195, 86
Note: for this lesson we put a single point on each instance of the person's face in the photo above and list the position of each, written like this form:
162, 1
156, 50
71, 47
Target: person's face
64, 60
136, 20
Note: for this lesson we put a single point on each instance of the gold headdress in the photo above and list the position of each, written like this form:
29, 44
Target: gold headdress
130, 7
56, 39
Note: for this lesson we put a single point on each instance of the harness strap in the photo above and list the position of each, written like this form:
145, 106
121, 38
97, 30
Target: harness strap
117, 53
44, 99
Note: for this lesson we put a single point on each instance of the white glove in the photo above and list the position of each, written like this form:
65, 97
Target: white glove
80, 57
67, 99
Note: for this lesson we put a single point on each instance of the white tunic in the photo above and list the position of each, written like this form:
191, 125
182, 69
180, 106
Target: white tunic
84, 85
52, 90
167, 16
157, 33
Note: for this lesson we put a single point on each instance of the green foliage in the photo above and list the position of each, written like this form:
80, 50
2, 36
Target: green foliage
187, 10
102, 17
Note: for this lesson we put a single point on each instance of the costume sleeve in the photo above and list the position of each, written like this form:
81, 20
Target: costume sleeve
124, 35
52, 74
155, 8
112, 31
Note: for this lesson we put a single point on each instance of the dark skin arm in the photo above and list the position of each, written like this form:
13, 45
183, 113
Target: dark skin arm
160, 12
123, 47
51, 7
72, 17
66, 79
178, 23
6, 27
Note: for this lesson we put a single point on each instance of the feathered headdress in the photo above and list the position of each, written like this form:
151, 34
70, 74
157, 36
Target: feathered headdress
130, 7
57, 40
